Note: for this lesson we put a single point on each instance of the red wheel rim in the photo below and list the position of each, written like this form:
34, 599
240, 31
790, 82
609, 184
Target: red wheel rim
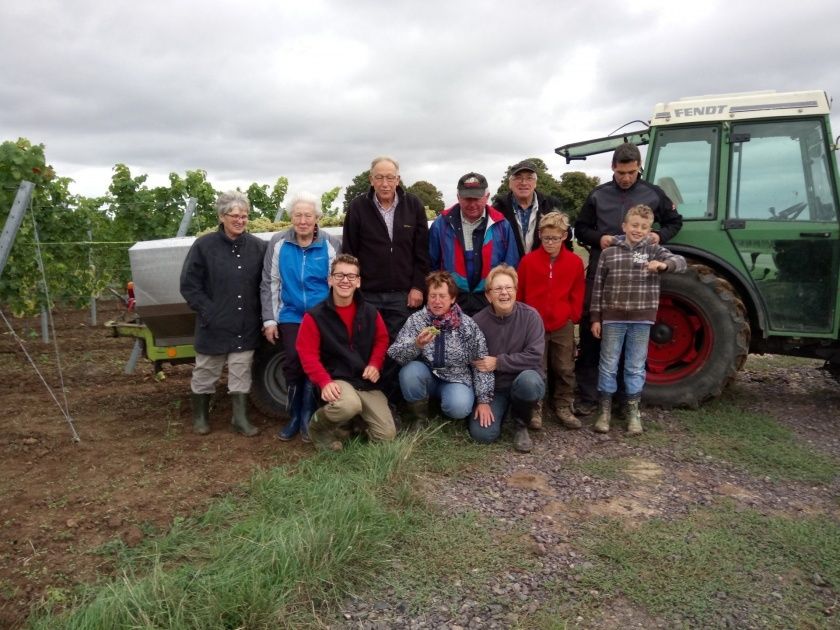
687, 341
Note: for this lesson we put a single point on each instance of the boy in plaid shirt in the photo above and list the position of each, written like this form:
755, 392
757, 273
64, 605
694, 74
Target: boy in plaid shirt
625, 297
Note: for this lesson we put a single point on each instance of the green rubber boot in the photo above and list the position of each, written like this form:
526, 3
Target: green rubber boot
634, 416
323, 434
200, 411
240, 422
602, 423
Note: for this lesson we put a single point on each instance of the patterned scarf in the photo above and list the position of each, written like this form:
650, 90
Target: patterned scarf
445, 323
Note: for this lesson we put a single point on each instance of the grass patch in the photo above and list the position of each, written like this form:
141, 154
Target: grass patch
447, 554
764, 363
295, 543
715, 565
756, 442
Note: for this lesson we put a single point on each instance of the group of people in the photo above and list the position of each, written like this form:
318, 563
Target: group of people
503, 291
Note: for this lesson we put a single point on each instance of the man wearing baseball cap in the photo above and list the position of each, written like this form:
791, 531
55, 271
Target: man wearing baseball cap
524, 206
469, 239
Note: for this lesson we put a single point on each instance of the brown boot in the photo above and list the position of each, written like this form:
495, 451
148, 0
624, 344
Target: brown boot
602, 424
569, 419
536, 421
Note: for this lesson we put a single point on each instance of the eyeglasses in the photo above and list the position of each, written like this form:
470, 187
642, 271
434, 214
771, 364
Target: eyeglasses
524, 178
500, 290
237, 217
349, 276
386, 178
552, 239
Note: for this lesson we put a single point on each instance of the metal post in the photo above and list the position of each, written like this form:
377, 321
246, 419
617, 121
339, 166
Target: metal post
187, 218
45, 325
13, 221
92, 295
136, 353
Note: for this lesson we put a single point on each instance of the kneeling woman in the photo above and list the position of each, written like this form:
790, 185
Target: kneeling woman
436, 348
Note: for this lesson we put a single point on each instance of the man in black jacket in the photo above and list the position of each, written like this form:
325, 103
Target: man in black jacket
523, 206
387, 231
597, 225
220, 281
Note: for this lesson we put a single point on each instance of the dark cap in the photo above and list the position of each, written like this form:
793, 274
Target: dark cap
472, 185
524, 165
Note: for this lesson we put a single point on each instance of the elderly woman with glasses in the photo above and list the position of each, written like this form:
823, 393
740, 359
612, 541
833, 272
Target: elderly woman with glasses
220, 281
294, 279
436, 348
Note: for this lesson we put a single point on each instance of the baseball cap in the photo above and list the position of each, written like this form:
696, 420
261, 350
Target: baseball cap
524, 165
472, 185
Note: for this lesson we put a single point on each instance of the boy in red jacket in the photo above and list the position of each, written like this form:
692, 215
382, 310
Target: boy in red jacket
551, 279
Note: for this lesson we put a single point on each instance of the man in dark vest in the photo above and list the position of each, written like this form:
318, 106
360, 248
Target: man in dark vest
342, 344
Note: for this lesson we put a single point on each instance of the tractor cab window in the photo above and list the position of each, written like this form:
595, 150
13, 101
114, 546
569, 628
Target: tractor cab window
684, 164
780, 172
782, 219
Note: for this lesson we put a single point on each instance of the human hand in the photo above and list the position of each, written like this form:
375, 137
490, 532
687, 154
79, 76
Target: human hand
331, 392
270, 333
485, 364
415, 298
656, 266
606, 241
426, 336
484, 415
654, 238
596, 329
371, 374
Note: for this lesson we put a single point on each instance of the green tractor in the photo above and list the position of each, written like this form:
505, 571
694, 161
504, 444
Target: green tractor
755, 178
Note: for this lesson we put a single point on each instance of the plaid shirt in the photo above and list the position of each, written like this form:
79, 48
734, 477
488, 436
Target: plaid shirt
624, 290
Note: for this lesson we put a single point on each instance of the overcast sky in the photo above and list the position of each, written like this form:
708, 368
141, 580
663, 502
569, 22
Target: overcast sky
250, 91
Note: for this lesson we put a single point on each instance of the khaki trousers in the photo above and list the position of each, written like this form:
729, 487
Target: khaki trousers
371, 406
208, 371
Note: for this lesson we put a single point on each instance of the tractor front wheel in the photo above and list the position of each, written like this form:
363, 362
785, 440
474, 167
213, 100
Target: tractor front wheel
699, 341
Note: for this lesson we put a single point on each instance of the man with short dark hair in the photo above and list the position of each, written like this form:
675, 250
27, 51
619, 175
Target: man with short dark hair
524, 206
342, 344
469, 239
597, 225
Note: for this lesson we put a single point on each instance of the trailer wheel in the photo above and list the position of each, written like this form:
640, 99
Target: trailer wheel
699, 341
268, 389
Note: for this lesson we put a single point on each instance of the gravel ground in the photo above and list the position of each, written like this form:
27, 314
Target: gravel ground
547, 495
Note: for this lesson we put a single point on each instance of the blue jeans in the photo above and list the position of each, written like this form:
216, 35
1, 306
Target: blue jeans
527, 388
634, 338
418, 383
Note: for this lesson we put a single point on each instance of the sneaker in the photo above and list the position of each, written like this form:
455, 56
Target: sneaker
522, 440
568, 418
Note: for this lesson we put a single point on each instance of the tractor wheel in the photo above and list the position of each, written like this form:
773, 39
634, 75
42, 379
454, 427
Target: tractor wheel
699, 341
268, 389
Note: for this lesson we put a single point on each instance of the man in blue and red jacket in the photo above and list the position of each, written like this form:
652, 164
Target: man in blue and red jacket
469, 239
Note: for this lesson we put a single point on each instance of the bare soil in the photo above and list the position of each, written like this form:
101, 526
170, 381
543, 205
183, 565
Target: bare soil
138, 466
